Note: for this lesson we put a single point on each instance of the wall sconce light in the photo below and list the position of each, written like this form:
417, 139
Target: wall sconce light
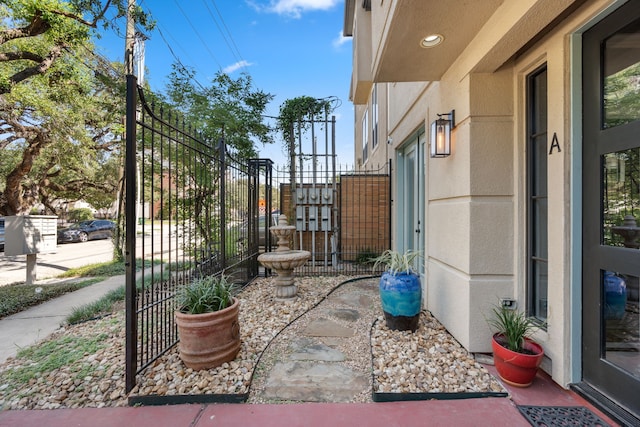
441, 134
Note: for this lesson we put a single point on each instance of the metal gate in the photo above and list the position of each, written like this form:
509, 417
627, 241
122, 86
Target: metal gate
191, 210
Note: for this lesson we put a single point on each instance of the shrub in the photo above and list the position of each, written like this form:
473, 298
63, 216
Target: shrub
205, 295
80, 214
366, 257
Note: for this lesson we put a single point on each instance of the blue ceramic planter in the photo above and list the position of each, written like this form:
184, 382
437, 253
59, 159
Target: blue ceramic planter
615, 292
401, 297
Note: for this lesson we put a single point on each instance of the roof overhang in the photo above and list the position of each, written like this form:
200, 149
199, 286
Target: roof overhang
402, 58
349, 14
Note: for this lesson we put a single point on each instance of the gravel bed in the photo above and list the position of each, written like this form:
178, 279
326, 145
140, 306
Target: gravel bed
428, 361
261, 318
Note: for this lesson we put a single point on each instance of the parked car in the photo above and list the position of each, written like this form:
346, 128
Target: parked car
87, 230
261, 229
244, 227
1, 234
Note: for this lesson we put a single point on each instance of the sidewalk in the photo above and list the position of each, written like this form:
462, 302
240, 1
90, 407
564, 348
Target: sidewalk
30, 326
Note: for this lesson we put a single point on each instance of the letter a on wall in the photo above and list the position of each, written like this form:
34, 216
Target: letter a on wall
554, 144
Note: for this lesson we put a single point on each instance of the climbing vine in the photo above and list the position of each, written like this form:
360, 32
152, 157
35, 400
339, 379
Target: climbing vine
301, 111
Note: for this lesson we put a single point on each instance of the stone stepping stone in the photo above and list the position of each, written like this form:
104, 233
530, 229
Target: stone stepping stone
356, 300
372, 286
318, 352
327, 328
314, 382
347, 314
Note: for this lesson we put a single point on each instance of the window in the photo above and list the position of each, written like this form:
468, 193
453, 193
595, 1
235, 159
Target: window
365, 136
621, 54
374, 117
537, 256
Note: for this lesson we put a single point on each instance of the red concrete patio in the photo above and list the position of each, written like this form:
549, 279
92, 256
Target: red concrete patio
464, 412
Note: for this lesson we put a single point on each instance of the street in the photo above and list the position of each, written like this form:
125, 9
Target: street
71, 255
66, 256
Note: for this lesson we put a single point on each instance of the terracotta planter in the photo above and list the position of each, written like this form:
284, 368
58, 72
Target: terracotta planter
208, 340
517, 369
401, 297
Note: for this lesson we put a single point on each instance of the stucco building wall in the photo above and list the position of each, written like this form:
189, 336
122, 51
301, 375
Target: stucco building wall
475, 199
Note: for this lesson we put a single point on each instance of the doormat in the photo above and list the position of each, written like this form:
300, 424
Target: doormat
550, 416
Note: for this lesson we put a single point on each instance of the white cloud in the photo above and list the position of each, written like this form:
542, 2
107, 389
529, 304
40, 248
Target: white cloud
340, 40
233, 67
293, 8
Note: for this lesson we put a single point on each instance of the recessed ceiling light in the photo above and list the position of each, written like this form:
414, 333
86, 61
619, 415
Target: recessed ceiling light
431, 40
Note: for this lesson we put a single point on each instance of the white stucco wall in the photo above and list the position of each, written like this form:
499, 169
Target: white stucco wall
475, 201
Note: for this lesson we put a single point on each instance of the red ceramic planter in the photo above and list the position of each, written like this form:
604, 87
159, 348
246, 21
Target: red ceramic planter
517, 369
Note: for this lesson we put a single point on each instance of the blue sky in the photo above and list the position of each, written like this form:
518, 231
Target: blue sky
290, 48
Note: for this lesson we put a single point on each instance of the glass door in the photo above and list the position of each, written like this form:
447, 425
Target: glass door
611, 207
411, 196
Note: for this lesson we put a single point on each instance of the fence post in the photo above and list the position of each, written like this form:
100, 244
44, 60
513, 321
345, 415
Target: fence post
223, 204
130, 235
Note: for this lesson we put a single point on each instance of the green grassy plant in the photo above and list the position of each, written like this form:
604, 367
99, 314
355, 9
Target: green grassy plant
110, 268
514, 326
397, 262
366, 257
18, 297
105, 304
52, 355
97, 308
205, 295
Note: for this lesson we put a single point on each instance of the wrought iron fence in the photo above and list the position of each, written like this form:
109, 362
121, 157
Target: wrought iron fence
343, 217
191, 210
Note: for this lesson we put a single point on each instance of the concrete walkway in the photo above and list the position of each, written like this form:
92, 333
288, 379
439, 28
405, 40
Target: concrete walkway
34, 324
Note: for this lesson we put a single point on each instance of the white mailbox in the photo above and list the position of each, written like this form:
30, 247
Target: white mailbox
30, 234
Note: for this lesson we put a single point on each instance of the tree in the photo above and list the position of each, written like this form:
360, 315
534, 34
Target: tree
229, 107
60, 105
64, 25
60, 137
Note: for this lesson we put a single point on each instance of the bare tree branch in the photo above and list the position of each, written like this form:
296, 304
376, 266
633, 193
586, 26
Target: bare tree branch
36, 27
15, 56
81, 20
41, 68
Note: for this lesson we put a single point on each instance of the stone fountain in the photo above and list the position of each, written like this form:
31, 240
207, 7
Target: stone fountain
630, 233
284, 260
